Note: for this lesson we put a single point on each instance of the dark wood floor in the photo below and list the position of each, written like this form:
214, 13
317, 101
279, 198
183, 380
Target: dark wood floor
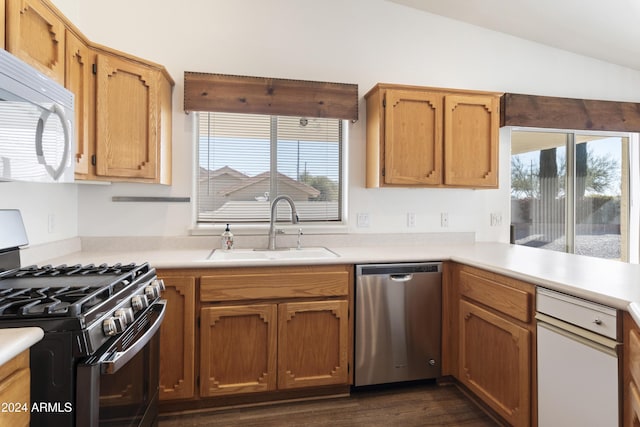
414, 405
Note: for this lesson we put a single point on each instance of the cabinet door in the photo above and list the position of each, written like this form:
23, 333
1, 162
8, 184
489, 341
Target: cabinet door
312, 343
495, 362
238, 349
413, 138
126, 118
471, 126
15, 389
79, 77
177, 339
37, 36
2, 24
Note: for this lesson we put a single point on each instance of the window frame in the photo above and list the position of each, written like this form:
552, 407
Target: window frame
632, 184
252, 228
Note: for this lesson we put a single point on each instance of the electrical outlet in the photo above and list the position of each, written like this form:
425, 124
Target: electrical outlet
51, 223
444, 219
411, 219
362, 220
496, 219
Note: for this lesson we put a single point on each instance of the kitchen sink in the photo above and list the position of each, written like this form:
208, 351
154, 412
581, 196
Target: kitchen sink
277, 254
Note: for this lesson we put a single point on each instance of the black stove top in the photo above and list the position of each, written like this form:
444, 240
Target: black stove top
63, 291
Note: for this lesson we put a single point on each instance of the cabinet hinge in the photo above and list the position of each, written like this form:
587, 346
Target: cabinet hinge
384, 103
93, 160
94, 68
382, 171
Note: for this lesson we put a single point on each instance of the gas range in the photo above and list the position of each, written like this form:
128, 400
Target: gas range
99, 357
96, 302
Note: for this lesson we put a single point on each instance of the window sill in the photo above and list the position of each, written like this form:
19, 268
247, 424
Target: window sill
263, 229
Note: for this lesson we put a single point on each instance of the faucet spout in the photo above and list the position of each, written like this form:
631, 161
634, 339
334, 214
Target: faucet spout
272, 227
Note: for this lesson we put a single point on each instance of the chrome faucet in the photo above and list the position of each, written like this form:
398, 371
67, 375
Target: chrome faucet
272, 227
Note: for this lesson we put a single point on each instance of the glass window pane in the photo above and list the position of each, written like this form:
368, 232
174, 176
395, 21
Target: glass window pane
538, 189
235, 177
598, 192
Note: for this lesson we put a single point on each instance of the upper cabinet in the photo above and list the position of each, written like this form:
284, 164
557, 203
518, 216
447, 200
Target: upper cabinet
2, 23
35, 34
431, 137
132, 127
123, 103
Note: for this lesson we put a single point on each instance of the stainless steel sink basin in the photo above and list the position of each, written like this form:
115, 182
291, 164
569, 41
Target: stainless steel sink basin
278, 254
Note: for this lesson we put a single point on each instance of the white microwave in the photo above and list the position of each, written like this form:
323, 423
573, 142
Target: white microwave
36, 125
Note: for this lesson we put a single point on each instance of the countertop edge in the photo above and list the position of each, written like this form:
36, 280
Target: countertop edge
17, 340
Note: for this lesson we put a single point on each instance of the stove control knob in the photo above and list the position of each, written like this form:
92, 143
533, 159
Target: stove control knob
159, 283
112, 326
125, 314
139, 302
152, 292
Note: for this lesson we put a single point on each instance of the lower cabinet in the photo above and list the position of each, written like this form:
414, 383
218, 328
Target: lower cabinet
313, 340
495, 362
238, 347
631, 372
234, 332
490, 340
15, 391
177, 338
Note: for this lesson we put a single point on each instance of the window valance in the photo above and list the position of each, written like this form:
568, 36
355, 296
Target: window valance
263, 95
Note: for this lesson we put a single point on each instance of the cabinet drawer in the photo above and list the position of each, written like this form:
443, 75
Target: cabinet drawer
516, 303
247, 284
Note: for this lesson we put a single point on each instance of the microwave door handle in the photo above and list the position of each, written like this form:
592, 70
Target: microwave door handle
55, 173
121, 358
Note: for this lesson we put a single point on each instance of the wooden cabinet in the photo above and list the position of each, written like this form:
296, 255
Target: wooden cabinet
15, 391
35, 32
631, 372
280, 328
491, 341
123, 103
312, 343
177, 338
2, 24
238, 346
79, 80
432, 137
132, 120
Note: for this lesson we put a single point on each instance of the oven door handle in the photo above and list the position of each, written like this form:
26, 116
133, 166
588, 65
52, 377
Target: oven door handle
120, 358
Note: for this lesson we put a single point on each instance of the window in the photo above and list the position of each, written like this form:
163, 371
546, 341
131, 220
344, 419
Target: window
570, 191
247, 159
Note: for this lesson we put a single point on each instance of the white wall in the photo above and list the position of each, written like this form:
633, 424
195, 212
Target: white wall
352, 41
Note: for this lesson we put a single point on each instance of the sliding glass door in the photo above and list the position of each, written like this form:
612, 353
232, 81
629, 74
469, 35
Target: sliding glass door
570, 191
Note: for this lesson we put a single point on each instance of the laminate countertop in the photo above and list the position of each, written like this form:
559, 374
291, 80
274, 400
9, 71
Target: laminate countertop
609, 282
15, 340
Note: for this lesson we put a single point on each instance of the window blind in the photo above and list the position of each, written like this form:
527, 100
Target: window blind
247, 159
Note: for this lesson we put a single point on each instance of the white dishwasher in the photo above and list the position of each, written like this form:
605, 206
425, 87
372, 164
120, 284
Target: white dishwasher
578, 346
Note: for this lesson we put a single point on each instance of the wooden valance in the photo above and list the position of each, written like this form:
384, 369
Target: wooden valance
262, 95
569, 113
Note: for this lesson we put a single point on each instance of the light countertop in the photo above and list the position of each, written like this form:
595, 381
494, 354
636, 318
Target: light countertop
609, 282
16, 340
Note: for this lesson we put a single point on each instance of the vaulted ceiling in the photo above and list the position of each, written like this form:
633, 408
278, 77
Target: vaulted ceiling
606, 30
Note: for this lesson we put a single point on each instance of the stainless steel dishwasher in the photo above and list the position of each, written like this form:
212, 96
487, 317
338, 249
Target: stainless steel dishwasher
398, 322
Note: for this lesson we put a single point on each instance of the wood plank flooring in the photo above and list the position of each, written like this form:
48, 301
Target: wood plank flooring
410, 405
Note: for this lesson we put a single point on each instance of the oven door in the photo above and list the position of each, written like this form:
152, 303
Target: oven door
119, 386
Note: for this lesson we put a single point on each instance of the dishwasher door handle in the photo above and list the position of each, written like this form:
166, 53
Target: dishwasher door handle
401, 277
